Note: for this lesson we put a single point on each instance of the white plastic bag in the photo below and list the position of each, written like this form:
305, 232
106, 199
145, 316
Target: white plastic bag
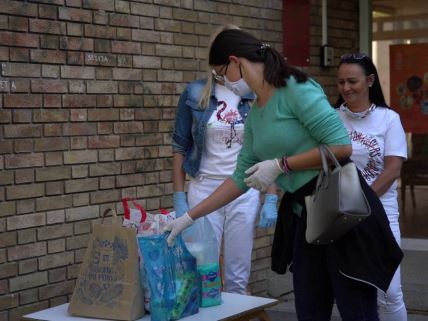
201, 241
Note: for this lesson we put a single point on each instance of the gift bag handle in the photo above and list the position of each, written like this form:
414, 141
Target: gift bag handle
127, 211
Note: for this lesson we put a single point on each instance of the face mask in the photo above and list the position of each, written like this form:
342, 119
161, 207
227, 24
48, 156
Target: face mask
239, 88
357, 115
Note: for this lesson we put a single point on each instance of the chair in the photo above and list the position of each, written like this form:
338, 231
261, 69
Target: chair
414, 172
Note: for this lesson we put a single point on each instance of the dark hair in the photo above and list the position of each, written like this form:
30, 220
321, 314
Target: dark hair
375, 91
242, 44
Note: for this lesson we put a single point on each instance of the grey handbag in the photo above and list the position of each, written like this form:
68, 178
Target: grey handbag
338, 202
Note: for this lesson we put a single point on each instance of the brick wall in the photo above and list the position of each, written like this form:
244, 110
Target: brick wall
88, 90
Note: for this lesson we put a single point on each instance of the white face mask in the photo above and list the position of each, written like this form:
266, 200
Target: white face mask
239, 87
357, 115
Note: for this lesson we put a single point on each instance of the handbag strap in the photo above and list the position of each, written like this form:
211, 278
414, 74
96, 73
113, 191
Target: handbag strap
327, 153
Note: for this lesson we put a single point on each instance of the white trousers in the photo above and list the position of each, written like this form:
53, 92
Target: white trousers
391, 305
235, 224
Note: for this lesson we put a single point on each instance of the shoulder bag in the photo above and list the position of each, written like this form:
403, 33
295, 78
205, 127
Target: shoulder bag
338, 202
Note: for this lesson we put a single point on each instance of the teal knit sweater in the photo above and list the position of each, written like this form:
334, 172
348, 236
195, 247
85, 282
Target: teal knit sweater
297, 117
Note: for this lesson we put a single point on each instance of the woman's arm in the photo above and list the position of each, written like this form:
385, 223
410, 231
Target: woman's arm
178, 174
390, 173
312, 158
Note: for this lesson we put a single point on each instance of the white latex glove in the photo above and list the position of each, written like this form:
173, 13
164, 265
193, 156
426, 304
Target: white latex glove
263, 174
177, 226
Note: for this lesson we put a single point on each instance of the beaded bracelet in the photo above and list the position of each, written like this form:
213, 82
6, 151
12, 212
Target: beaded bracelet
285, 167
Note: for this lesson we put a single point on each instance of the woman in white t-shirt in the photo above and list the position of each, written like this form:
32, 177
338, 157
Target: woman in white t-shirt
207, 137
379, 149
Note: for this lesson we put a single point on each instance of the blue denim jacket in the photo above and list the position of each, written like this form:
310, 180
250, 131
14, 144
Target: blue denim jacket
191, 121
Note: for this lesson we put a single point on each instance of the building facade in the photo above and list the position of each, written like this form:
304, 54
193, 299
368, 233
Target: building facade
88, 93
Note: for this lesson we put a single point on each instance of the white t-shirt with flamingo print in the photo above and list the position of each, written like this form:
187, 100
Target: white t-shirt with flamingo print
224, 136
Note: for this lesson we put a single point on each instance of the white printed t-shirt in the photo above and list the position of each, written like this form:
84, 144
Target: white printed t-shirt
377, 135
224, 136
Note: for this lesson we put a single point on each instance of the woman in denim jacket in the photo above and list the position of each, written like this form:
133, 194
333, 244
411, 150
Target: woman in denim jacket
207, 138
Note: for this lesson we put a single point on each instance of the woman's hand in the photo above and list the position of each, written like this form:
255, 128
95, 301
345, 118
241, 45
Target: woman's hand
176, 227
263, 174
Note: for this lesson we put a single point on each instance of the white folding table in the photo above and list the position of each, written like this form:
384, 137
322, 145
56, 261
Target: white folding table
235, 307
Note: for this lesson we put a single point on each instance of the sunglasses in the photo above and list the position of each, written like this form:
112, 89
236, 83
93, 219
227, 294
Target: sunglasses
218, 77
354, 56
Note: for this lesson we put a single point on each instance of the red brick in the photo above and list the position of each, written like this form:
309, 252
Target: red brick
26, 251
104, 101
24, 191
128, 101
28, 281
103, 142
48, 86
53, 202
55, 290
53, 173
80, 157
79, 101
55, 217
74, 43
81, 185
9, 301
18, 23
19, 54
50, 71
53, 116
47, 26
19, 39
48, 11
24, 175
6, 239
72, 14
48, 56
18, 8
22, 101
82, 213
78, 115
79, 142
20, 69
106, 196
49, 42
7, 208
107, 5
124, 20
52, 130
21, 131
128, 153
23, 146
147, 36
6, 147
51, 144
126, 47
100, 59
27, 160
127, 74
77, 72
92, 31
101, 87
128, 127
79, 129
144, 9
100, 18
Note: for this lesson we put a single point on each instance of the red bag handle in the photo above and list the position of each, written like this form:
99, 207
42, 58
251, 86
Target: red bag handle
127, 212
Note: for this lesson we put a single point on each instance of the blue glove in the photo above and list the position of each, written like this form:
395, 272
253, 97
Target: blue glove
180, 203
269, 211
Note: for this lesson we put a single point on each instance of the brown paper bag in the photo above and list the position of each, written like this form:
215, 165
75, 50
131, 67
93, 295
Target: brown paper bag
108, 286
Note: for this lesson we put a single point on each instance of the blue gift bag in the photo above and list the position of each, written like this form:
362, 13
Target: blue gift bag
172, 276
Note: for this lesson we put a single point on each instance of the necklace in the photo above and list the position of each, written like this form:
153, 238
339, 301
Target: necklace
357, 115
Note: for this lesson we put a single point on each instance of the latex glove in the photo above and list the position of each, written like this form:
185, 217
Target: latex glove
263, 174
176, 227
180, 203
269, 211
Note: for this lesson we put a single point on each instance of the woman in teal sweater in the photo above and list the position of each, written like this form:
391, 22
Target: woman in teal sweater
284, 128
